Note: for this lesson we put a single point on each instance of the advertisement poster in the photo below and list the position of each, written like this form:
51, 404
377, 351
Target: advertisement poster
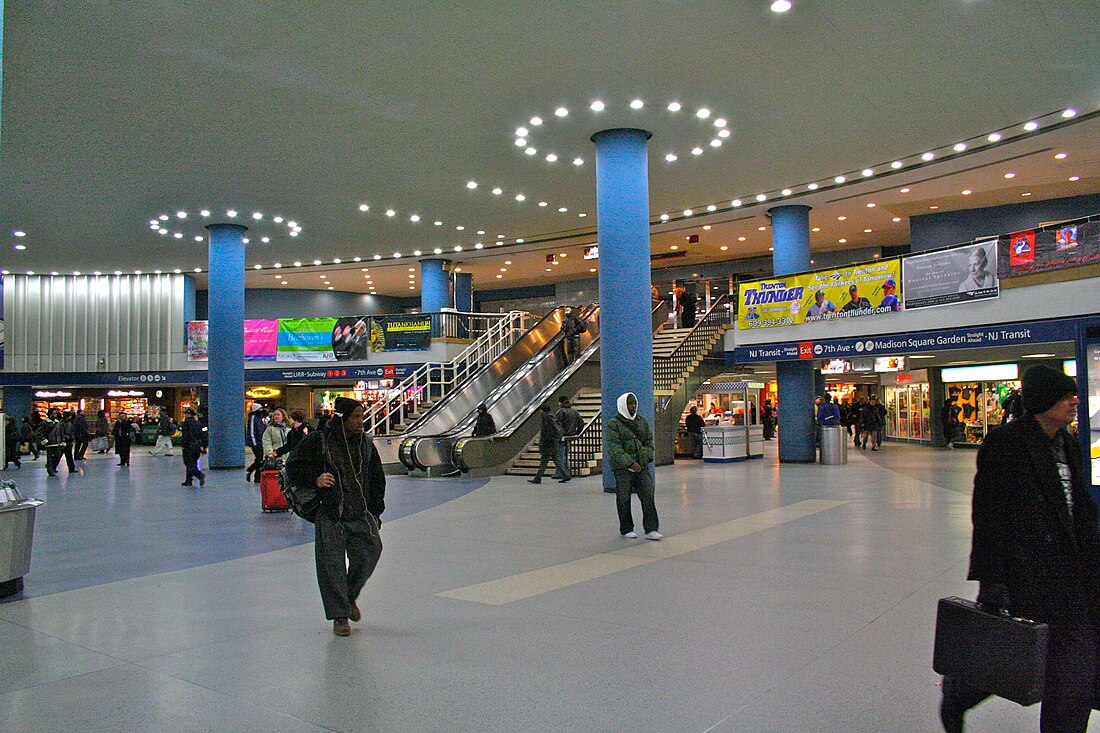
351, 338
261, 340
306, 339
949, 276
846, 292
1051, 248
198, 341
400, 333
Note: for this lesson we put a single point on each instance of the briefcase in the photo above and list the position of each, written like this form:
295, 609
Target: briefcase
992, 651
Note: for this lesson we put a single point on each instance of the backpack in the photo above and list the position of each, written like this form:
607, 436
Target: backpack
305, 501
582, 326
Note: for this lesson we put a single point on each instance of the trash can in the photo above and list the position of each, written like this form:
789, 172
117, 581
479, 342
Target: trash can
16, 532
834, 445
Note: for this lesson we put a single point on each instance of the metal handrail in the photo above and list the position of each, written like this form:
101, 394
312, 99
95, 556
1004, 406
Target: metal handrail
706, 320
435, 379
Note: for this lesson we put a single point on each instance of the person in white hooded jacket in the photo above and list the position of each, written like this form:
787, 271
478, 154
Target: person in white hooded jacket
630, 446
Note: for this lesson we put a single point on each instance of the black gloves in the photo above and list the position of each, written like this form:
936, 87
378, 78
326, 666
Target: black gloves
993, 595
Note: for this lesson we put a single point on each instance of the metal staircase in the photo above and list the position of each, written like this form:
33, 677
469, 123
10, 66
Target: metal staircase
584, 456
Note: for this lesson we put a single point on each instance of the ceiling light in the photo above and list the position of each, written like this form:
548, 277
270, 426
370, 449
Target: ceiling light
703, 113
1036, 356
781, 6
391, 212
1075, 178
1069, 113
293, 234
204, 212
438, 251
1026, 194
670, 157
720, 122
499, 276
520, 142
198, 238
740, 239
664, 217
1060, 156
521, 132
707, 227
904, 190
179, 235
197, 269
816, 229
696, 151
771, 249
675, 246
922, 356
519, 241
841, 218
1031, 126
723, 248
735, 203
674, 107
231, 213
520, 197
637, 104
265, 240
687, 212
760, 229
761, 197
257, 215
933, 207
479, 245
581, 216
723, 133
812, 187
297, 263
163, 217
471, 184
867, 172
397, 255
966, 192
959, 147
896, 219
597, 106
163, 231
337, 261
712, 207
20, 247
786, 192
716, 143
928, 156
1010, 175
551, 158
531, 151
840, 179
871, 205
842, 241
561, 111
364, 207
504, 269
536, 121
181, 214
578, 161
896, 164
867, 231
136, 272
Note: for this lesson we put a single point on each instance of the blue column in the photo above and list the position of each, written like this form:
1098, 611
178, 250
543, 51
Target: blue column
190, 299
226, 365
434, 292
17, 403
622, 225
790, 254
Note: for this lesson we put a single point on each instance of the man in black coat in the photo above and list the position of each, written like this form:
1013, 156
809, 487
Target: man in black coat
549, 442
193, 442
344, 466
1036, 549
572, 327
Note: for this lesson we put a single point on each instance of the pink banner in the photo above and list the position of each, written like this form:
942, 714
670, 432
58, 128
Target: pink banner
261, 340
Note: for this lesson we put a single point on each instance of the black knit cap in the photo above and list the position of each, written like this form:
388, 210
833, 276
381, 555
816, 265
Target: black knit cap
345, 406
1044, 387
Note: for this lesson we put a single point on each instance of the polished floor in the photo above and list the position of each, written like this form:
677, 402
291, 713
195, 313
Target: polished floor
784, 599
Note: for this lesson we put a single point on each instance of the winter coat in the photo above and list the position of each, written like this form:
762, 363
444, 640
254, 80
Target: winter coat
629, 441
485, 424
550, 435
308, 461
274, 438
569, 420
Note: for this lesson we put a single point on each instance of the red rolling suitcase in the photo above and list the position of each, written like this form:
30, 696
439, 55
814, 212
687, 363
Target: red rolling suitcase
271, 495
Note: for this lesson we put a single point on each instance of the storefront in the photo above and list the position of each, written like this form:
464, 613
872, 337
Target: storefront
138, 404
977, 393
908, 406
731, 413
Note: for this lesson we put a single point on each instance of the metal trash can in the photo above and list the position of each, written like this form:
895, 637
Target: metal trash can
16, 533
834, 445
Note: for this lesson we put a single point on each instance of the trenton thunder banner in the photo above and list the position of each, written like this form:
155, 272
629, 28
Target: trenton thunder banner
846, 292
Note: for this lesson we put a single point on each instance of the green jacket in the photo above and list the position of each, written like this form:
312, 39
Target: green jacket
624, 446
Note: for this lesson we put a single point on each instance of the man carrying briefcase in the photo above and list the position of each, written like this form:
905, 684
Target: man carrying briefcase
1036, 550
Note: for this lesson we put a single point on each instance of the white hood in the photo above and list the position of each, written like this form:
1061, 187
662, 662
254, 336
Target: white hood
622, 405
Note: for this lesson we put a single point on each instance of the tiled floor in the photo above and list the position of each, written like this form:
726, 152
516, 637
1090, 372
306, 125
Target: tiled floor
786, 599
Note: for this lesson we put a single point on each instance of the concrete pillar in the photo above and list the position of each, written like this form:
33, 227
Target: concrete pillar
226, 364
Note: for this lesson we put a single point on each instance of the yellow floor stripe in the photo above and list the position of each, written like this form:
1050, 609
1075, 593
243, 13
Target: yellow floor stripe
535, 582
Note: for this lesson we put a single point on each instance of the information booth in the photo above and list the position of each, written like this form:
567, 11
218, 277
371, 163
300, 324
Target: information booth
731, 411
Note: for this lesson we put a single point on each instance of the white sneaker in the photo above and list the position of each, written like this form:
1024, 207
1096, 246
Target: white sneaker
654, 536
631, 535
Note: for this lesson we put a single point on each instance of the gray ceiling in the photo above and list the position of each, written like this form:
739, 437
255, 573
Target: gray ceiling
114, 113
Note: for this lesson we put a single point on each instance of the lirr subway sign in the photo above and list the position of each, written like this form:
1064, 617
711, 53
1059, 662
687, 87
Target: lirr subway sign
960, 338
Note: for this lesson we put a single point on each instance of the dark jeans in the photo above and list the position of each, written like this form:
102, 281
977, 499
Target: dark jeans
561, 462
346, 554
53, 458
1073, 669
640, 483
558, 467
69, 462
696, 445
123, 451
80, 448
769, 430
258, 464
191, 463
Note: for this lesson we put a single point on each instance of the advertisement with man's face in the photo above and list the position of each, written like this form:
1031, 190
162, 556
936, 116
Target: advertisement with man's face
949, 276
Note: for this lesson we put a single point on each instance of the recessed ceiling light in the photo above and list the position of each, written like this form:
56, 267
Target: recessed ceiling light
904, 190
531, 151
181, 214
706, 227
471, 184
438, 251
460, 228
740, 239
696, 151
520, 197
670, 157
735, 203
896, 219
687, 212
391, 212
1028, 193
966, 192
723, 248
716, 143
781, 6
231, 213
1075, 178
959, 147
841, 218
761, 197
257, 215
786, 192
1060, 156
204, 212
816, 229
578, 161
1036, 356
20, 247
597, 106
337, 261
1010, 175
397, 255
723, 133
867, 172
297, 263
364, 207
675, 246
536, 121
994, 137
871, 205
928, 156
198, 238
479, 245
674, 107
664, 217
499, 276
867, 231
581, 215
521, 132
933, 207
703, 113
840, 179
551, 158
561, 111
637, 104
1069, 113
1031, 126
179, 235
761, 229
896, 164
842, 241
520, 142
922, 356
163, 231
712, 207
197, 269
812, 187
265, 240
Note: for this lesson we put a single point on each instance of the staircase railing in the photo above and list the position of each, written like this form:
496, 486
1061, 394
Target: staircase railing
668, 371
589, 441
434, 379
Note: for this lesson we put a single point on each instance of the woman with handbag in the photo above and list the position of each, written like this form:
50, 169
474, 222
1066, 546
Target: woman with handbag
275, 435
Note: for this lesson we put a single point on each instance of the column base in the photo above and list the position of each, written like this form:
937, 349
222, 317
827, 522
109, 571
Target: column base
11, 587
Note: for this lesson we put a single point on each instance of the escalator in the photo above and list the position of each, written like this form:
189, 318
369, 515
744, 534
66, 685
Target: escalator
512, 388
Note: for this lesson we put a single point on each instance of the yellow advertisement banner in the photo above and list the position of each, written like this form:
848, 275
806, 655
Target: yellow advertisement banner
846, 292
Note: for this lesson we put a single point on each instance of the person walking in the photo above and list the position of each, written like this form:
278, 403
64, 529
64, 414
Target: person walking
688, 301
484, 425
299, 429
30, 437
572, 327
275, 434
81, 435
123, 433
571, 425
165, 430
52, 433
254, 439
872, 418
11, 443
768, 418
342, 463
630, 445
70, 440
1035, 548
949, 419
694, 425
102, 428
193, 443
549, 441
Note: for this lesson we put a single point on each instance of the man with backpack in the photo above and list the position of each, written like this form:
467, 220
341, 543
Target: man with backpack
571, 424
549, 444
572, 327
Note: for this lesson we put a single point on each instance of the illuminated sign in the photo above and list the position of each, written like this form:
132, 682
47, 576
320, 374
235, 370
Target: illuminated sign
125, 393
592, 253
48, 395
984, 373
890, 364
263, 393
836, 366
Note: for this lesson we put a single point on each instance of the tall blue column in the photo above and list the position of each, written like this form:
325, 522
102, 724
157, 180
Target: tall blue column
790, 254
226, 335
17, 403
434, 292
622, 225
